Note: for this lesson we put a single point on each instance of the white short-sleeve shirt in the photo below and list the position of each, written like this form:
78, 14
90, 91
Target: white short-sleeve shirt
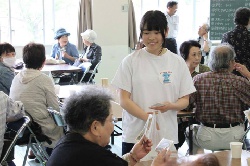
152, 79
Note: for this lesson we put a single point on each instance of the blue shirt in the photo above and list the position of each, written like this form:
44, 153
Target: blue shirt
70, 49
6, 77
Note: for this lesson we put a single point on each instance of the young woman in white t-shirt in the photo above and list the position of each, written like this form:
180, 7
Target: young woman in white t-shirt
152, 75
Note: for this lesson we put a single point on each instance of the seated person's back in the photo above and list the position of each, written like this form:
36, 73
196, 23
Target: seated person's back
36, 91
220, 100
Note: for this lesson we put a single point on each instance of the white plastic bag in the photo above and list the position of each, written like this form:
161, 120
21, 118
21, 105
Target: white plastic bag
155, 132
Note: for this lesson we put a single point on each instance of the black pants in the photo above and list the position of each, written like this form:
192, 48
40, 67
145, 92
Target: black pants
170, 44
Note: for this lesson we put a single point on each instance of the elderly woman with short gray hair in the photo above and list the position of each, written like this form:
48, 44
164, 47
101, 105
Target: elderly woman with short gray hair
90, 122
91, 55
36, 91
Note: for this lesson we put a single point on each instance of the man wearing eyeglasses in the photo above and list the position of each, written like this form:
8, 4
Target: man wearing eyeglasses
205, 43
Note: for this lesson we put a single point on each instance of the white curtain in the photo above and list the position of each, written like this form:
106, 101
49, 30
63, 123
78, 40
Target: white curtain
84, 20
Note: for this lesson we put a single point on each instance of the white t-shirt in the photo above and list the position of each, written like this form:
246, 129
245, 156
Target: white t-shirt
201, 42
152, 79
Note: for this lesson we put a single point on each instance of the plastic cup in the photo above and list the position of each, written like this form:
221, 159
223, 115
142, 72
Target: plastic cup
57, 89
105, 82
236, 149
248, 161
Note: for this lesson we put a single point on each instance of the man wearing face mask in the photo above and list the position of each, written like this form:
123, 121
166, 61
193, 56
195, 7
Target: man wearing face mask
7, 61
239, 37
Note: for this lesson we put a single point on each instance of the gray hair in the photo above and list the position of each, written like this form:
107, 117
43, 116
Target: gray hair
207, 27
89, 35
221, 56
84, 107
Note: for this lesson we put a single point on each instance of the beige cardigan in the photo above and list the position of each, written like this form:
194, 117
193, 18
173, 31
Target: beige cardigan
36, 91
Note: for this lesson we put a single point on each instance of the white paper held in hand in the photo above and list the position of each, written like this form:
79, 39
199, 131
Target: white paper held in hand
158, 105
145, 128
163, 144
147, 125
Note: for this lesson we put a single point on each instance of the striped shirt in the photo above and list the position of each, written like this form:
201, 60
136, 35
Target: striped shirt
221, 97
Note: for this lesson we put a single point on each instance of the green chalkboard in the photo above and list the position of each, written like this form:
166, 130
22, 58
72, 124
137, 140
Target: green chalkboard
222, 16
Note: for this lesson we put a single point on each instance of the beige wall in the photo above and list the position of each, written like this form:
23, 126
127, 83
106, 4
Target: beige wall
111, 26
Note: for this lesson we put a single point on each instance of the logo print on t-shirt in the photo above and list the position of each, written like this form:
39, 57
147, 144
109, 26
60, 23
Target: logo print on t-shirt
165, 77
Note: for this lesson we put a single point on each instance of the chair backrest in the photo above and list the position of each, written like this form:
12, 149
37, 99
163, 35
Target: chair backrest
93, 72
85, 72
57, 117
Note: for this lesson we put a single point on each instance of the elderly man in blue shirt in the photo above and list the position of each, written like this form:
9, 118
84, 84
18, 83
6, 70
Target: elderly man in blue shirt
64, 50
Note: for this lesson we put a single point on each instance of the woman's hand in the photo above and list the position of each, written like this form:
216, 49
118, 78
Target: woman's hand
84, 59
242, 69
162, 159
163, 108
141, 148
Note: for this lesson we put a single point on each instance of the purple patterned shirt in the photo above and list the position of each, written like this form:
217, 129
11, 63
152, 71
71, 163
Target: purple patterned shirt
239, 38
221, 97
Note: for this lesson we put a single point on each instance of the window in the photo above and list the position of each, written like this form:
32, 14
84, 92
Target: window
192, 13
23, 21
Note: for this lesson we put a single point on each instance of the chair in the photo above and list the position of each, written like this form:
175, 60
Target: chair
57, 117
245, 141
117, 112
27, 132
93, 72
85, 72
25, 120
37, 148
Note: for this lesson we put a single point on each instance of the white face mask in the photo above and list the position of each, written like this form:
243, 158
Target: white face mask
9, 61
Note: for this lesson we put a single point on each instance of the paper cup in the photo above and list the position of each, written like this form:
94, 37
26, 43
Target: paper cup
57, 89
236, 149
248, 161
105, 82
